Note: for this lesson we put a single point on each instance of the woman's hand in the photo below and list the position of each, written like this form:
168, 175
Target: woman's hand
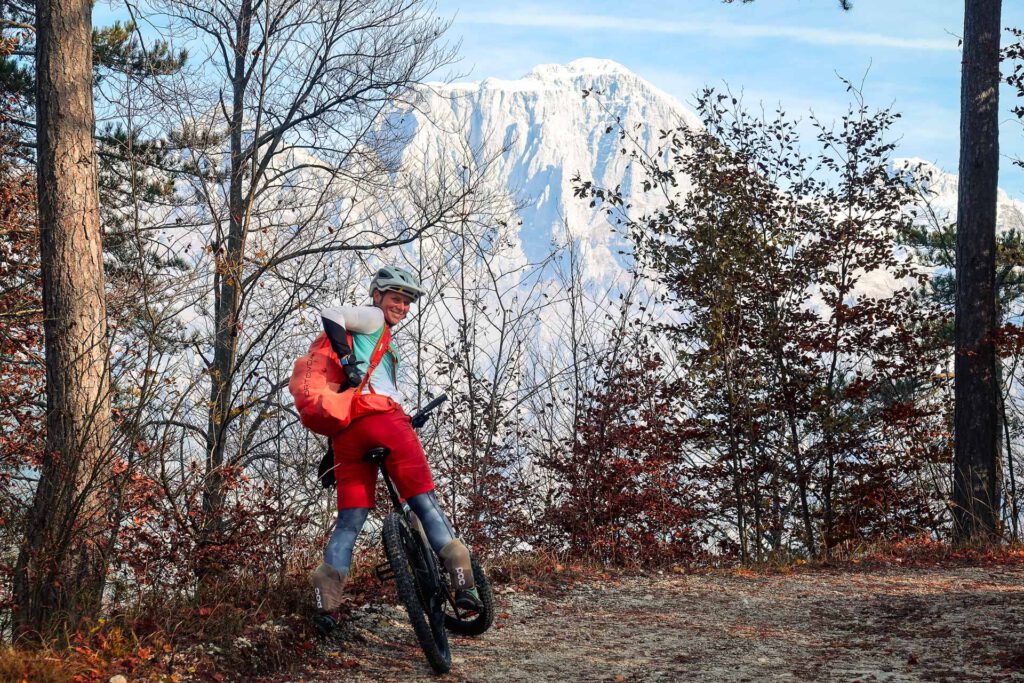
350, 366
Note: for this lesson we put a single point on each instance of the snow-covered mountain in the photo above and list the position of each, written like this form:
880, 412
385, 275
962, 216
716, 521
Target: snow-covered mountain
540, 131
549, 125
941, 204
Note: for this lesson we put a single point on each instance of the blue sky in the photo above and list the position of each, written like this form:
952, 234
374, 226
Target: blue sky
786, 52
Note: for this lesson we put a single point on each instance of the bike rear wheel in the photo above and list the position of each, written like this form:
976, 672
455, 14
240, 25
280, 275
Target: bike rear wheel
418, 589
476, 623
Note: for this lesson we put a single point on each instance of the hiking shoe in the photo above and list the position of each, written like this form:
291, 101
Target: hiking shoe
468, 599
325, 622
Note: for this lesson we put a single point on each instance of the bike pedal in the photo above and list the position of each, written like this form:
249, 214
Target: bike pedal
384, 572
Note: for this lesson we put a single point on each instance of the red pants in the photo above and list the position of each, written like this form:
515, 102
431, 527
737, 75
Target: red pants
406, 464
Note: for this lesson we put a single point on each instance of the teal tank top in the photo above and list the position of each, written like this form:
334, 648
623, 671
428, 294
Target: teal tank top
363, 346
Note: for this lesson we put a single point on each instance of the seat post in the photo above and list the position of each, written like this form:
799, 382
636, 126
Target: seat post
392, 491
377, 457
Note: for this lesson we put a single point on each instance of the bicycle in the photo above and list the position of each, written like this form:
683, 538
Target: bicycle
422, 583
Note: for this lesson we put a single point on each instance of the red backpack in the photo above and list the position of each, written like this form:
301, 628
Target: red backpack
317, 379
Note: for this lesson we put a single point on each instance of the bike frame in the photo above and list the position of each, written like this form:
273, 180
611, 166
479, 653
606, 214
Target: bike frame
377, 456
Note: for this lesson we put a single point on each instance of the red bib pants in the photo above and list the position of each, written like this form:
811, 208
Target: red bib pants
406, 464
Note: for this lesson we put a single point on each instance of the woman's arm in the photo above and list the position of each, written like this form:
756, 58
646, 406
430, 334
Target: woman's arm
349, 319
355, 319
344, 320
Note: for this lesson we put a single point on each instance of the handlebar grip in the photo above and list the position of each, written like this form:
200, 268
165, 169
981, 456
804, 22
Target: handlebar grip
430, 406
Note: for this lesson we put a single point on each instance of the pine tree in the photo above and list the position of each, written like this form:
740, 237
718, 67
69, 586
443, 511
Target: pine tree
60, 570
976, 485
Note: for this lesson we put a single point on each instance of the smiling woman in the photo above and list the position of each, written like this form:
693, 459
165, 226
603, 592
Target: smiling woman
394, 304
393, 289
361, 336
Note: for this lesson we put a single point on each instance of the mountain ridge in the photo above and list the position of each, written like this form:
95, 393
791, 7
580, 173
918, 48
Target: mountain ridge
552, 123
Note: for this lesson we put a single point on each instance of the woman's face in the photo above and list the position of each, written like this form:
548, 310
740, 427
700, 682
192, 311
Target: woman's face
394, 305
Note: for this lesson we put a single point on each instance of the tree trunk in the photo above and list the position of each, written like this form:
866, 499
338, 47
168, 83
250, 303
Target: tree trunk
802, 479
976, 427
1008, 445
59, 574
737, 467
227, 304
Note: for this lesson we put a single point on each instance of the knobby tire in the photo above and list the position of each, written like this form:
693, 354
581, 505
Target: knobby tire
396, 534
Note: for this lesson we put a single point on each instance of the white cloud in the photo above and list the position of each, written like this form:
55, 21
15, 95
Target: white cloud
722, 30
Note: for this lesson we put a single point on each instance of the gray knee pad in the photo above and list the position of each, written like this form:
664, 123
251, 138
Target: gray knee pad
457, 562
328, 587
338, 552
434, 523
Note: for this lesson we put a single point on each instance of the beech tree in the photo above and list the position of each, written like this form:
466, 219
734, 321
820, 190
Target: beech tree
976, 472
22, 368
810, 384
1010, 268
622, 490
287, 164
471, 338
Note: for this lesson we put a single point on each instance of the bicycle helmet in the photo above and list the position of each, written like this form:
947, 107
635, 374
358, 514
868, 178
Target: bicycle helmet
394, 279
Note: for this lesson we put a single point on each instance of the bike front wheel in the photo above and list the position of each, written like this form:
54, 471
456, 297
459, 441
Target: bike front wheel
418, 589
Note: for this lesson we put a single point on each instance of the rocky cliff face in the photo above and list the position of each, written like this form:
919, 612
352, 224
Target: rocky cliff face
540, 131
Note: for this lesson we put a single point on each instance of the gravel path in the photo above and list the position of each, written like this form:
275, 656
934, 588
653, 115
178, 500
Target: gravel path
960, 624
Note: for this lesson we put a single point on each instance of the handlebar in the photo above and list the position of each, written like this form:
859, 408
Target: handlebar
425, 410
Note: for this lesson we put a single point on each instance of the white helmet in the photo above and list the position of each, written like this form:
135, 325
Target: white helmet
394, 279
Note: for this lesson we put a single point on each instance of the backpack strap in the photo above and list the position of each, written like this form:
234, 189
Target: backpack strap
378, 353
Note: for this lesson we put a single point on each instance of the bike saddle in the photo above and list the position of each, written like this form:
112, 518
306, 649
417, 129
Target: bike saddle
377, 455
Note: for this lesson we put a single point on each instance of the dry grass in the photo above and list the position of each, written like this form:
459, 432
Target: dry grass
921, 551
39, 666
241, 629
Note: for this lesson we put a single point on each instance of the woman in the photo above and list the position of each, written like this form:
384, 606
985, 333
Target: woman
369, 329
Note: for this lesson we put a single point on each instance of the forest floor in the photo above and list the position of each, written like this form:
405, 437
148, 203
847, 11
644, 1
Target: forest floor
853, 624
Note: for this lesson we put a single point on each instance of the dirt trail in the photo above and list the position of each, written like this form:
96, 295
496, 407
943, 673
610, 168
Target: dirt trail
961, 624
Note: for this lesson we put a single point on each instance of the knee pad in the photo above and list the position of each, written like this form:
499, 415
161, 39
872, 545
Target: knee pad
338, 553
328, 586
432, 519
458, 563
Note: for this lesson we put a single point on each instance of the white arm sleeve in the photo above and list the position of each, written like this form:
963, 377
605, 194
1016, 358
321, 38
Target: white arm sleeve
355, 319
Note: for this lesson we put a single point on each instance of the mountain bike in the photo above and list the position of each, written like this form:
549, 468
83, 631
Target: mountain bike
422, 583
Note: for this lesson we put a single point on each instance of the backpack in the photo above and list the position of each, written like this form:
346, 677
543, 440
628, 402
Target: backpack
323, 405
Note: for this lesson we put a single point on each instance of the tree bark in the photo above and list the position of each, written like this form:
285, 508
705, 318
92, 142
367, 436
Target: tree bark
1008, 445
227, 305
976, 425
59, 574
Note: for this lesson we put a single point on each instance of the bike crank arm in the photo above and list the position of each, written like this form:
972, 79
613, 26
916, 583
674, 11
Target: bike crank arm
459, 613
